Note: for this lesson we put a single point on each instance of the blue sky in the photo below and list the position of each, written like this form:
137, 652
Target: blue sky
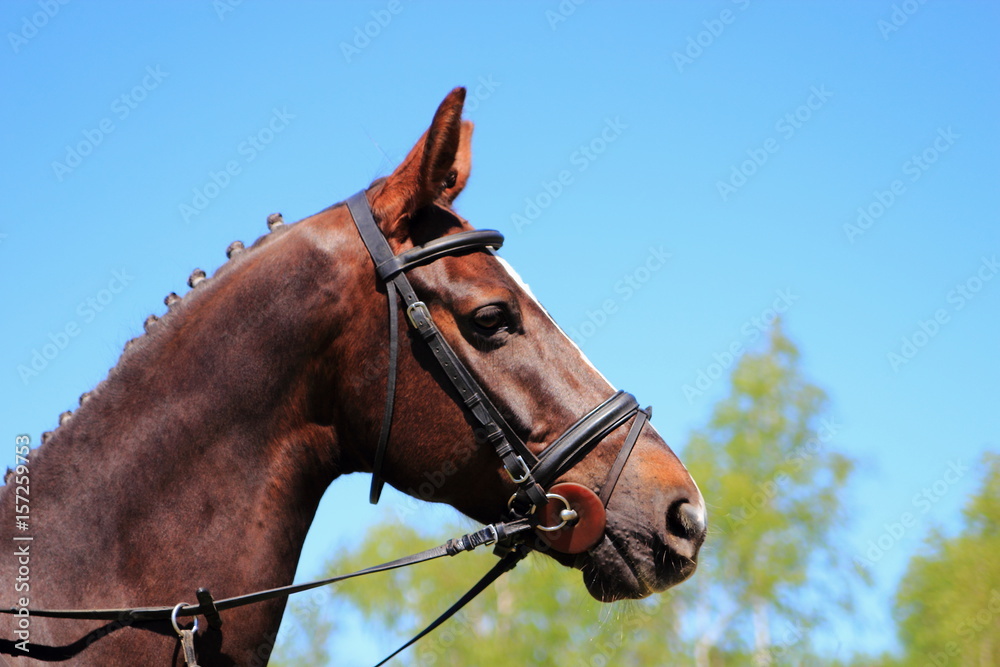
666, 174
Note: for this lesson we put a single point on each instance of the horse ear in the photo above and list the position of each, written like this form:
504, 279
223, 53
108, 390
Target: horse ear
459, 173
433, 169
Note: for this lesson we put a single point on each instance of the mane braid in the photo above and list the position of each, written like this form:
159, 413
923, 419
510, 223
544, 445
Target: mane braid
275, 223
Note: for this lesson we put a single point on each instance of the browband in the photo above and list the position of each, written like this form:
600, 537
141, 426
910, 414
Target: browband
452, 244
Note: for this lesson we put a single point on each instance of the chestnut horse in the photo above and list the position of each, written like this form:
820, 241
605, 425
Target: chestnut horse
201, 459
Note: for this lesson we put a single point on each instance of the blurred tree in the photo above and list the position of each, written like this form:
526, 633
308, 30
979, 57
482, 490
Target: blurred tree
948, 604
767, 469
305, 627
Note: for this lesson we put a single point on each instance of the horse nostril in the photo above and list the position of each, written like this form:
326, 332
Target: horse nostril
686, 520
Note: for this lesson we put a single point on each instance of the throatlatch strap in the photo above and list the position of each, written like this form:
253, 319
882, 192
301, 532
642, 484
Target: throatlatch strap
390, 398
380, 252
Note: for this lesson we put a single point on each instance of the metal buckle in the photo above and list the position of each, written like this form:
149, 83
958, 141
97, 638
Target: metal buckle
523, 466
417, 305
493, 537
510, 505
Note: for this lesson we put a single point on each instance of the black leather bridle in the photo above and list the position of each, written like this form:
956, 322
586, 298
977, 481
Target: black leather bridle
532, 474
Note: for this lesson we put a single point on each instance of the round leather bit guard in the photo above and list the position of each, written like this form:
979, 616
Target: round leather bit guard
581, 534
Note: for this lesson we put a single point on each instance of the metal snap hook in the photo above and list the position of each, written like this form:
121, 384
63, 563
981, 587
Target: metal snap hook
173, 619
186, 636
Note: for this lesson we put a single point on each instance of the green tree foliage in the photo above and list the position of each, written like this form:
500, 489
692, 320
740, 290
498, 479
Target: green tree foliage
301, 642
948, 604
773, 484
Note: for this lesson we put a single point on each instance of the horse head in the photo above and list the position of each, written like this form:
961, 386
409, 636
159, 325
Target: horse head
538, 379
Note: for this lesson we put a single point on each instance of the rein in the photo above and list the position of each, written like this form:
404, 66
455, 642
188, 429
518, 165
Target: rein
210, 608
532, 474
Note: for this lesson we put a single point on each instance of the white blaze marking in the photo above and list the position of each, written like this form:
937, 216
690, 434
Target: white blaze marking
527, 290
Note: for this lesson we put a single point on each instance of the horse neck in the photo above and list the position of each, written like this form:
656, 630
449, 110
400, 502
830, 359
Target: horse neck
201, 459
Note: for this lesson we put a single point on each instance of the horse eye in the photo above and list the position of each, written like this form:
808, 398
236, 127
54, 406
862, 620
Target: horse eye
490, 320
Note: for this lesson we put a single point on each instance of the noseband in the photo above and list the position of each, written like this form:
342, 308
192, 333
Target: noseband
530, 473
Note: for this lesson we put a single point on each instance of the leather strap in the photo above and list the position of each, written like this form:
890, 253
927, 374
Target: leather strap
498, 532
390, 398
616, 469
448, 245
580, 438
516, 457
531, 474
504, 565
380, 252
377, 246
